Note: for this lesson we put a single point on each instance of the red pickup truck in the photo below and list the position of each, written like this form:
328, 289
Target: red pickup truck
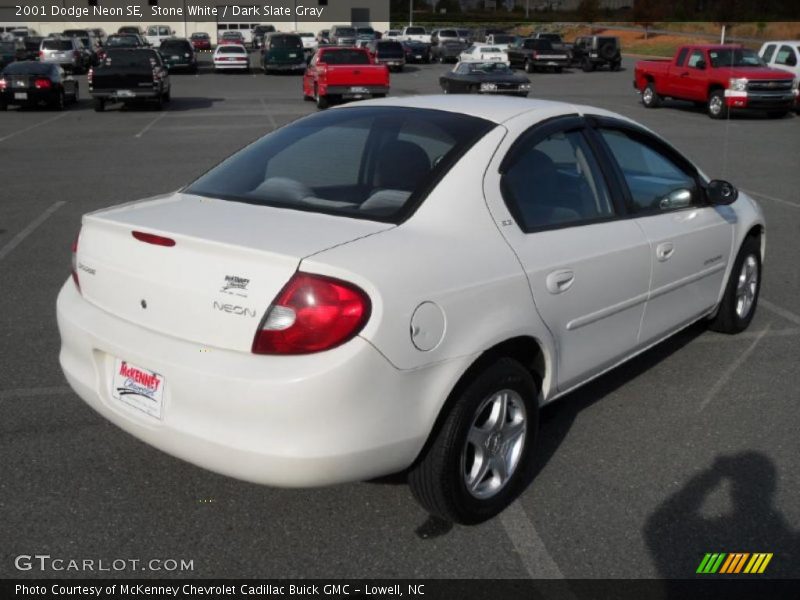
344, 74
719, 77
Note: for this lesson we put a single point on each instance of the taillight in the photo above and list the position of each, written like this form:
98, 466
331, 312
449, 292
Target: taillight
77, 55
311, 314
41, 54
42, 84
535, 55
3, 84
152, 238
75, 261
89, 76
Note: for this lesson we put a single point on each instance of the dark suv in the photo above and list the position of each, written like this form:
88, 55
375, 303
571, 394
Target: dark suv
593, 51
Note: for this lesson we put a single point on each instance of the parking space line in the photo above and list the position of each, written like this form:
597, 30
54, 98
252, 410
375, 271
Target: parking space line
529, 546
18, 239
780, 311
268, 112
150, 124
39, 392
732, 368
772, 198
34, 126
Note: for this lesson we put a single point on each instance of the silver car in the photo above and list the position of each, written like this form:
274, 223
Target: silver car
66, 52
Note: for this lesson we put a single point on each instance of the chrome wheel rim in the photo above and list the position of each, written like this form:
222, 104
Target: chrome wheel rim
746, 287
495, 442
715, 105
647, 96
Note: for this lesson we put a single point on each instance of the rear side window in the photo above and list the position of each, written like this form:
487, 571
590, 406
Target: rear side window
368, 162
656, 183
556, 182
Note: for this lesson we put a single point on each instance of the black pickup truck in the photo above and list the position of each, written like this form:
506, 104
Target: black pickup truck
537, 54
129, 75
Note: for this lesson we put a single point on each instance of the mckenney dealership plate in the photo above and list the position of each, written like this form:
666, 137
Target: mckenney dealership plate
137, 387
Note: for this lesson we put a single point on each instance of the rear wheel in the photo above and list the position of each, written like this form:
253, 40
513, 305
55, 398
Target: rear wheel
168, 95
60, 101
717, 109
481, 457
650, 97
322, 101
76, 94
587, 65
529, 68
99, 105
741, 293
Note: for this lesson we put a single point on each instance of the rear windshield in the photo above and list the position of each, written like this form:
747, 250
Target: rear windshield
415, 31
369, 162
128, 30
176, 46
200, 36
448, 33
390, 48
27, 68
125, 40
145, 59
345, 31
231, 50
369, 30
503, 39
232, 35
285, 41
345, 57
56, 45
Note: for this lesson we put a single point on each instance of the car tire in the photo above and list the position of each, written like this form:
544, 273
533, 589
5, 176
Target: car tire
61, 101
322, 101
99, 105
616, 65
558, 70
76, 96
528, 66
587, 65
717, 109
650, 98
741, 292
462, 481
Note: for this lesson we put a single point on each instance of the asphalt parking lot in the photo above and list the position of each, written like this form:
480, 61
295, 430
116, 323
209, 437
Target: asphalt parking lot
690, 448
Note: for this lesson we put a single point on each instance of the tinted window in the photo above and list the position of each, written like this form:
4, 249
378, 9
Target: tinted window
28, 68
448, 33
556, 182
345, 57
285, 41
390, 49
656, 183
415, 31
768, 52
57, 45
695, 58
735, 57
503, 39
7, 47
176, 46
145, 59
786, 56
231, 50
345, 31
368, 162
681, 56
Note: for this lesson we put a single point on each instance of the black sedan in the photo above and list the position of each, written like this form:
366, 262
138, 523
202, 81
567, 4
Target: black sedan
484, 78
416, 51
29, 83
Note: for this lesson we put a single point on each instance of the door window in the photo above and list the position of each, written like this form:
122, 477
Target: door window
786, 56
556, 182
656, 183
695, 58
768, 52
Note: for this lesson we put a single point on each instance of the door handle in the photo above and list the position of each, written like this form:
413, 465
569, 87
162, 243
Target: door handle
559, 282
665, 251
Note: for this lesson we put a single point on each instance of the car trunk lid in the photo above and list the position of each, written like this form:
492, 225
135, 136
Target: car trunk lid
213, 286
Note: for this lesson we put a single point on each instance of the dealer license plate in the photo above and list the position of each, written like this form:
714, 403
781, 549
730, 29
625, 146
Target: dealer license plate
125, 94
359, 90
20, 96
137, 387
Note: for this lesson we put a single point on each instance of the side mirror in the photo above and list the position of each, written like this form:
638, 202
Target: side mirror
721, 192
701, 64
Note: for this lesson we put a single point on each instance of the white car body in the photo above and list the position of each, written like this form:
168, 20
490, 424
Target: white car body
413, 33
784, 55
156, 34
231, 56
480, 53
588, 297
309, 40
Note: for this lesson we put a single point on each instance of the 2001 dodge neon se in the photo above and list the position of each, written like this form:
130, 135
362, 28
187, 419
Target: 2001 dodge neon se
400, 284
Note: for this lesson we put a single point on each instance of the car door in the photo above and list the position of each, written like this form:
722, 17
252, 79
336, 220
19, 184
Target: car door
588, 267
690, 240
692, 79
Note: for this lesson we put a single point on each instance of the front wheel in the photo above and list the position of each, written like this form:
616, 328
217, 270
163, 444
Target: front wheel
650, 97
741, 293
99, 105
481, 457
587, 65
529, 68
717, 109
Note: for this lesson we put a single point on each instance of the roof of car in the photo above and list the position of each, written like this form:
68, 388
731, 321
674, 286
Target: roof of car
781, 42
497, 109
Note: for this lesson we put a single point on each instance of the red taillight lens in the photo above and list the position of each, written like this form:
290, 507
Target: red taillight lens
151, 238
90, 76
311, 314
3, 84
41, 54
42, 84
75, 261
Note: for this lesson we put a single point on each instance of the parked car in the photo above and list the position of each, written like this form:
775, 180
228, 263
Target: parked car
595, 51
178, 55
720, 77
309, 40
125, 40
129, 75
537, 55
232, 37
484, 78
90, 45
337, 74
283, 52
416, 52
447, 50
259, 33
31, 47
132, 30
391, 34
419, 34
439, 36
231, 57
156, 34
467, 36
11, 50
65, 52
481, 54
30, 83
357, 332
343, 35
201, 41
389, 53
324, 37
501, 40
367, 33
784, 55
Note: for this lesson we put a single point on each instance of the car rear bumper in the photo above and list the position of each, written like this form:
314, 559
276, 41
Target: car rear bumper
301, 66
342, 415
9, 97
230, 65
135, 94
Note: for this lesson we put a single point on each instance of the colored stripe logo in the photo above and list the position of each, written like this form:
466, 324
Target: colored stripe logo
734, 563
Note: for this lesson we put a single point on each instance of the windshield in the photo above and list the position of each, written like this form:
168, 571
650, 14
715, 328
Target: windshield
415, 31
176, 46
735, 57
369, 162
345, 57
125, 40
503, 39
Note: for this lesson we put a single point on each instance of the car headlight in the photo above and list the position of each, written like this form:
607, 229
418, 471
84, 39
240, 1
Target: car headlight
738, 85
488, 87
525, 86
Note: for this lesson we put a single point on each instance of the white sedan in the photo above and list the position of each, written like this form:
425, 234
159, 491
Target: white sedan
310, 312
231, 56
309, 40
483, 54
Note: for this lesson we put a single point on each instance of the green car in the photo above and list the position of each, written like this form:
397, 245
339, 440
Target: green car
178, 55
283, 52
